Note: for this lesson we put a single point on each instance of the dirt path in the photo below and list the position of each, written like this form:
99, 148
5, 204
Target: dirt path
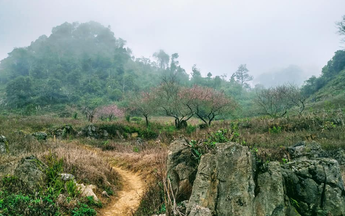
129, 197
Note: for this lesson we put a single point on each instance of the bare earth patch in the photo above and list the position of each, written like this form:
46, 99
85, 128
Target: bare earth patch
128, 199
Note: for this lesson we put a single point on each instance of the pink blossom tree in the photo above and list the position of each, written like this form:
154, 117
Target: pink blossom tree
109, 112
207, 103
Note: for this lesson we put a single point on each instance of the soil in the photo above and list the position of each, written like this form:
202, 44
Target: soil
128, 199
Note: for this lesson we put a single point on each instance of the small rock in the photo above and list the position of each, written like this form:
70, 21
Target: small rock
32, 172
40, 135
61, 199
66, 176
87, 191
134, 135
105, 194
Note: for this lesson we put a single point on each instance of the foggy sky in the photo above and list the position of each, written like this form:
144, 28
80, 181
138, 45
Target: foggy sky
217, 35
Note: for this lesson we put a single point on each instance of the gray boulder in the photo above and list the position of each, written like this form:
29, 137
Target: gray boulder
31, 172
304, 150
40, 135
224, 183
181, 168
94, 132
315, 186
269, 199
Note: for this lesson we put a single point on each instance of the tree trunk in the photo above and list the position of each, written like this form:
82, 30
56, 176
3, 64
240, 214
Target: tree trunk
146, 120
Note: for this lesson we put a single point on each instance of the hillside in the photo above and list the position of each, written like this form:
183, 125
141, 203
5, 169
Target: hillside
328, 89
76, 63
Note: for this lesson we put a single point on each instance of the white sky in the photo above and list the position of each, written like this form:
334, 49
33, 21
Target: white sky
216, 35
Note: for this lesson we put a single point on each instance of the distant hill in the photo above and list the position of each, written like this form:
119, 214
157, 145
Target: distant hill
77, 63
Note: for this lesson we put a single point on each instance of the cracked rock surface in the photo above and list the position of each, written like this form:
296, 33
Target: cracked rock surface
228, 183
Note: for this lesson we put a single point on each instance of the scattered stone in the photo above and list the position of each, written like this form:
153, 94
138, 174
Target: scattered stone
119, 135
134, 135
87, 191
94, 132
105, 194
61, 199
63, 131
31, 171
40, 135
105, 133
66, 176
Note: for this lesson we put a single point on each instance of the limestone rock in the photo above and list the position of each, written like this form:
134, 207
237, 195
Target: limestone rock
87, 191
63, 132
92, 131
315, 186
205, 187
224, 183
304, 150
66, 177
269, 199
200, 211
40, 135
32, 172
105, 194
182, 168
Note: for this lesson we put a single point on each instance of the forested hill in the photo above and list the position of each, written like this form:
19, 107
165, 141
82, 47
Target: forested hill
77, 63
86, 64
330, 85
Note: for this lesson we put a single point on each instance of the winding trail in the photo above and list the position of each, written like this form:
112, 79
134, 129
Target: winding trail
129, 197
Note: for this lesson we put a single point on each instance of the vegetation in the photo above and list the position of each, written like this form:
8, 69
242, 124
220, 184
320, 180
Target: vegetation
83, 87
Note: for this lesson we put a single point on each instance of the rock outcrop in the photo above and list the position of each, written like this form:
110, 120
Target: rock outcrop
224, 183
92, 131
40, 135
182, 168
229, 183
31, 172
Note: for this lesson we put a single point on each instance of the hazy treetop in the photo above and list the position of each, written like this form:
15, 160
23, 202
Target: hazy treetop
217, 36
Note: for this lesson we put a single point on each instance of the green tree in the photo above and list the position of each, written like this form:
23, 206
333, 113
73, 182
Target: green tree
242, 76
20, 92
162, 58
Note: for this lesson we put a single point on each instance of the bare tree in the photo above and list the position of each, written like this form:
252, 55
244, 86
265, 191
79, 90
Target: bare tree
172, 101
276, 101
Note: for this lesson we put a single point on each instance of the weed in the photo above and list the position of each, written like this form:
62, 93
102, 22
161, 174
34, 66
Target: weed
275, 130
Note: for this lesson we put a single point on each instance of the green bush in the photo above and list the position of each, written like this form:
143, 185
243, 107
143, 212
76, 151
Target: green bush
83, 210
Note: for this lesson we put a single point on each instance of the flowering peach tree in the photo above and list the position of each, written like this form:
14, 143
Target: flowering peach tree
109, 112
207, 103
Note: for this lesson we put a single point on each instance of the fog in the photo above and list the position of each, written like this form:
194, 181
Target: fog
269, 36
